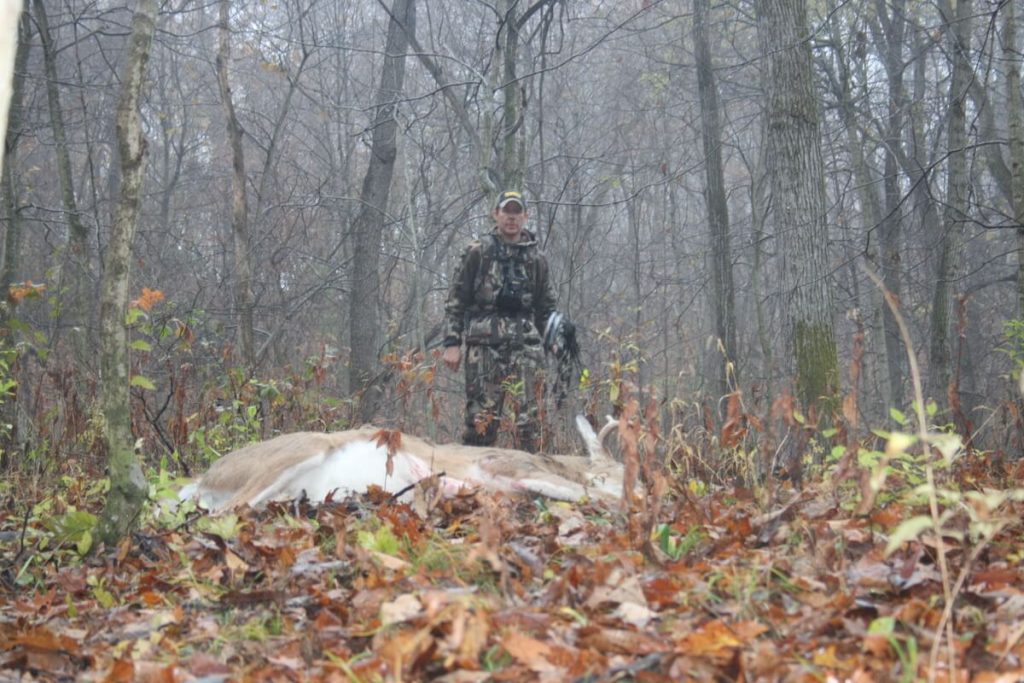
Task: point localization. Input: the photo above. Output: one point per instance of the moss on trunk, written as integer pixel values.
(817, 363)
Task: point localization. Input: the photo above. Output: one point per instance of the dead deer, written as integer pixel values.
(317, 464)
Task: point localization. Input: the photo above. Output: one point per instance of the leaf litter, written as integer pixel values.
(494, 588)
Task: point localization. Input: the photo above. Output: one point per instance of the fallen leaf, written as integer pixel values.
(711, 639)
(402, 608)
(530, 651)
(621, 641)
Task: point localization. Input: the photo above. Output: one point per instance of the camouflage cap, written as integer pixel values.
(509, 196)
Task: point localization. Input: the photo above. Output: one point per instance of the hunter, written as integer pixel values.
(498, 305)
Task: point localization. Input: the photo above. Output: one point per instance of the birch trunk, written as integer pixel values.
(127, 482)
(11, 120)
(13, 56)
(10, 10)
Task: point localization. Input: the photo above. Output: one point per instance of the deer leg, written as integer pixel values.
(555, 488)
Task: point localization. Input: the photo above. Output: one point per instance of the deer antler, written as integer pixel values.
(611, 424)
(594, 442)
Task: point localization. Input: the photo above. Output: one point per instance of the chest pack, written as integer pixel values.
(512, 283)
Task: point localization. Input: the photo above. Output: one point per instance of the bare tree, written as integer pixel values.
(723, 298)
(8, 158)
(10, 13)
(76, 271)
(796, 174)
(950, 233)
(1015, 114)
(891, 30)
(239, 203)
(511, 171)
(369, 224)
(127, 482)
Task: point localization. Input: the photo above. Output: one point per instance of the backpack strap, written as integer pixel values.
(486, 259)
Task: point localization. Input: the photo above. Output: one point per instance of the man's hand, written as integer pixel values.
(452, 357)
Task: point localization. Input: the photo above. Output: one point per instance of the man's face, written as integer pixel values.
(510, 219)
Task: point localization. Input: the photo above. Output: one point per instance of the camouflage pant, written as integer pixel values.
(503, 379)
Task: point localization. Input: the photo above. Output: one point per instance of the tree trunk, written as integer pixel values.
(759, 207)
(921, 160)
(239, 206)
(512, 165)
(842, 72)
(127, 482)
(14, 52)
(723, 303)
(74, 276)
(78, 232)
(950, 233)
(890, 228)
(11, 127)
(10, 10)
(795, 170)
(369, 223)
(1016, 125)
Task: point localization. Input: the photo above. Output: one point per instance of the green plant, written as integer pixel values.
(98, 586)
(495, 659)
(675, 545)
(383, 540)
(138, 320)
(233, 428)
(437, 555)
(346, 664)
(905, 646)
(8, 355)
(226, 526)
(168, 511)
(1013, 331)
(259, 628)
(74, 527)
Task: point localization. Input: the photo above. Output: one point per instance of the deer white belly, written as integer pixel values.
(345, 470)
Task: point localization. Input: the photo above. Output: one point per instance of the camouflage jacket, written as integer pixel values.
(478, 309)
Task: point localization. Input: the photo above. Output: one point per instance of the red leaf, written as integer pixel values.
(391, 439)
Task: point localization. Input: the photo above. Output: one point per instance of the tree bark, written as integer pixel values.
(14, 48)
(842, 75)
(796, 174)
(723, 303)
(1016, 124)
(78, 232)
(74, 277)
(10, 11)
(369, 223)
(512, 163)
(239, 206)
(11, 119)
(890, 228)
(919, 163)
(127, 482)
(759, 208)
(949, 237)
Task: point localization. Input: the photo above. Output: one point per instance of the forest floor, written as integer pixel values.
(707, 585)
